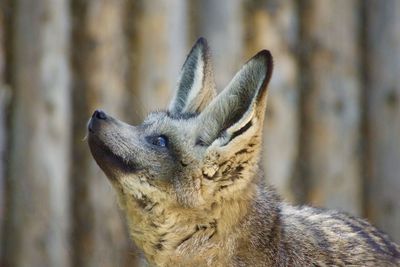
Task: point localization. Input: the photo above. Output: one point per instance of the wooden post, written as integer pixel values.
(3, 130)
(330, 76)
(158, 47)
(274, 27)
(221, 23)
(37, 192)
(383, 114)
(99, 236)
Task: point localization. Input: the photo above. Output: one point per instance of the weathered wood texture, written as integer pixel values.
(281, 124)
(37, 204)
(158, 43)
(99, 236)
(383, 113)
(329, 70)
(3, 130)
(221, 22)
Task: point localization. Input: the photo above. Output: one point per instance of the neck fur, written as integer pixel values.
(171, 235)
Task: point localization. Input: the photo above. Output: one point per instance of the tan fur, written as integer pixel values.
(198, 198)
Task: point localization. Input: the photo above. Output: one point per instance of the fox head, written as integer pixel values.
(193, 158)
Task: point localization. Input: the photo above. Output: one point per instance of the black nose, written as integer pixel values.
(99, 114)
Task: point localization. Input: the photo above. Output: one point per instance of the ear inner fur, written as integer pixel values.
(243, 99)
(196, 86)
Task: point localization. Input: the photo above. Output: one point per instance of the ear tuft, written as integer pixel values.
(196, 86)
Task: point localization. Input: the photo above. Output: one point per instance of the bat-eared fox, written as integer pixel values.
(190, 184)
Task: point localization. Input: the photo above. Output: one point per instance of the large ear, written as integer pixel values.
(239, 109)
(196, 86)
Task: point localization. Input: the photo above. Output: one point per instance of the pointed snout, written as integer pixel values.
(112, 144)
(99, 114)
(98, 118)
(101, 122)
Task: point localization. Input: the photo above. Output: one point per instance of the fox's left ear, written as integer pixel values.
(196, 86)
(238, 111)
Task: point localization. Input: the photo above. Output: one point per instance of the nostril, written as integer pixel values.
(99, 114)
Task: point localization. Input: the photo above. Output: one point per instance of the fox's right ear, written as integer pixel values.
(196, 85)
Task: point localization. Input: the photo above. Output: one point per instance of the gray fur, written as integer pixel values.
(202, 201)
(235, 106)
(196, 86)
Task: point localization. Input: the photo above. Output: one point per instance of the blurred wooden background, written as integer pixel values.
(332, 134)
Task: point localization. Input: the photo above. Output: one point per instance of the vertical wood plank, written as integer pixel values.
(158, 43)
(329, 70)
(3, 130)
(221, 23)
(273, 25)
(383, 114)
(37, 199)
(99, 236)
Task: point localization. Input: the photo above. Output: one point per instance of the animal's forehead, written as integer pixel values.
(166, 119)
(162, 114)
(155, 116)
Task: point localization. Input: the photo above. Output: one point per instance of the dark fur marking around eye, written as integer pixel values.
(241, 130)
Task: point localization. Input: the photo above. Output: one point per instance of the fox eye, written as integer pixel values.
(160, 140)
